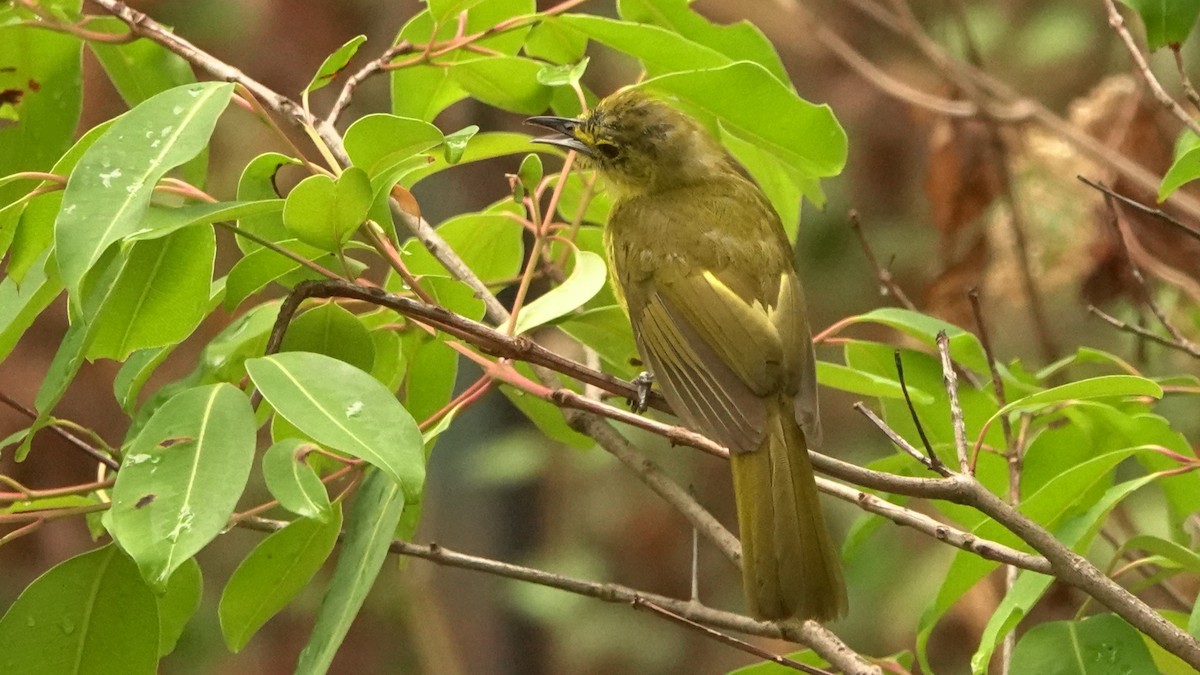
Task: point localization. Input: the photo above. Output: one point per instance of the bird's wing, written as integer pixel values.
(725, 353)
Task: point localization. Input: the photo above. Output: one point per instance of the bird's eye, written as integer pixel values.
(609, 150)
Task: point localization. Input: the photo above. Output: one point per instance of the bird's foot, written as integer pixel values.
(641, 400)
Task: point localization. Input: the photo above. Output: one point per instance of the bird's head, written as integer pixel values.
(640, 144)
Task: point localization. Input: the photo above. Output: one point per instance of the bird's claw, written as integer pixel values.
(641, 400)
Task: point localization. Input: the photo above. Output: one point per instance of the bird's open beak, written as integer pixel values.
(566, 128)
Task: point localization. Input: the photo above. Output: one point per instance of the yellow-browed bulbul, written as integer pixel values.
(706, 273)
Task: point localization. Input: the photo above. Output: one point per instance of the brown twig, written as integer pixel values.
(950, 380)
(997, 382)
(67, 436)
(1188, 348)
(754, 650)
(1118, 25)
(807, 633)
(1189, 91)
(1147, 297)
(887, 284)
(934, 462)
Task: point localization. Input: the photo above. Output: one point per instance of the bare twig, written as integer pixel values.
(1188, 348)
(897, 439)
(935, 462)
(997, 381)
(807, 633)
(1147, 297)
(67, 436)
(754, 650)
(887, 284)
(1186, 82)
(1118, 25)
(950, 379)
(1157, 213)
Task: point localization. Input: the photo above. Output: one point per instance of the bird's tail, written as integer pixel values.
(790, 567)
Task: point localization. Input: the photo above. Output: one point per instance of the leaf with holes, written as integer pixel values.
(181, 478)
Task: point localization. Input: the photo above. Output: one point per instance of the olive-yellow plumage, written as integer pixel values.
(703, 267)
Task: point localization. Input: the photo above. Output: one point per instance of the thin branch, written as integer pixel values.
(898, 440)
(809, 633)
(1149, 210)
(1147, 298)
(997, 382)
(950, 380)
(753, 650)
(1189, 91)
(887, 284)
(67, 436)
(935, 462)
(375, 66)
(1118, 25)
(1077, 571)
(487, 339)
(1188, 348)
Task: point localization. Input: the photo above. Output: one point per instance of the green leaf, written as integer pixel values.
(262, 266)
(138, 69)
(432, 371)
(606, 330)
(1078, 533)
(422, 92)
(109, 191)
(344, 408)
(660, 50)
(324, 212)
(1186, 166)
(1098, 644)
(46, 117)
(566, 75)
(273, 574)
(334, 63)
(21, 303)
(1096, 387)
(806, 137)
(865, 383)
(292, 481)
(1167, 22)
(546, 416)
(448, 10)
(1193, 624)
(489, 243)
(378, 142)
(456, 143)
(90, 614)
(177, 605)
(483, 146)
(1182, 556)
(780, 186)
(965, 348)
(484, 14)
(507, 82)
(1073, 492)
(331, 330)
(159, 297)
(181, 478)
(553, 41)
(741, 41)
(161, 221)
(530, 172)
(257, 183)
(378, 506)
(584, 281)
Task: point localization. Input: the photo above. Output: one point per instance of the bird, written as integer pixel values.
(702, 266)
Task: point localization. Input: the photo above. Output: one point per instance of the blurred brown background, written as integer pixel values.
(927, 189)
